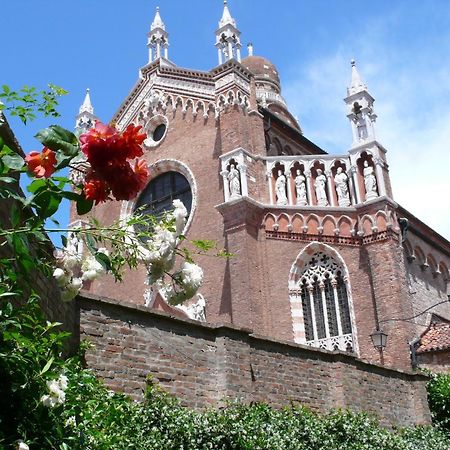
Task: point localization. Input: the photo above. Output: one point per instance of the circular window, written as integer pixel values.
(159, 194)
(156, 129)
(158, 134)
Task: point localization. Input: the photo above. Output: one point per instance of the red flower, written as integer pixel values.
(41, 164)
(123, 181)
(103, 144)
(99, 144)
(96, 189)
(142, 173)
(132, 141)
(108, 152)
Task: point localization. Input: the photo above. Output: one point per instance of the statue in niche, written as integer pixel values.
(280, 189)
(319, 184)
(195, 311)
(300, 188)
(370, 181)
(362, 130)
(341, 181)
(235, 184)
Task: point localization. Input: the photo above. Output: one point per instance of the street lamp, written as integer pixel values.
(379, 339)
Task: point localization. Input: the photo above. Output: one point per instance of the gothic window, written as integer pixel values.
(325, 306)
(159, 194)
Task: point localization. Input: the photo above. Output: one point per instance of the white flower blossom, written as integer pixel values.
(61, 276)
(71, 421)
(63, 382)
(191, 275)
(179, 213)
(91, 269)
(72, 289)
(20, 445)
(56, 389)
(48, 401)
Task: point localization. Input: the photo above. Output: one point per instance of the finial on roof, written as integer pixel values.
(87, 105)
(250, 49)
(226, 16)
(157, 21)
(158, 39)
(356, 84)
(360, 111)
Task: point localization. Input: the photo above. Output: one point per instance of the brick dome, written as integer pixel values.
(262, 68)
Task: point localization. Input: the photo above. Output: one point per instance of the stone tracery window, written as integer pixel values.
(324, 300)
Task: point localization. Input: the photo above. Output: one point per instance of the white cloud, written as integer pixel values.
(410, 85)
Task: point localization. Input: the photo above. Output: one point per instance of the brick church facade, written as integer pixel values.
(322, 253)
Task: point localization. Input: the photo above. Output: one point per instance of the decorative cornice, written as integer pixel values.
(351, 241)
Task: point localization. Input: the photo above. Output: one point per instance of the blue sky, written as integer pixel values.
(401, 48)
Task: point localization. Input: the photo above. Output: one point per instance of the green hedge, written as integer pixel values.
(439, 399)
(92, 417)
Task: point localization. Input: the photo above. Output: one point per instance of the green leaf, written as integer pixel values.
(16, 215)
(58, 138)
(84, 206)
(36, 185)
(204, 245)
(8, 180)
(71, 196)
(64, 240)
(47, 203)
(103, 260)
(47, 366)
(14, 162)
(62, 160)
(91, 244)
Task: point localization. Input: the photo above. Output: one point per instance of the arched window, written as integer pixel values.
(159, 194)
(320, 304)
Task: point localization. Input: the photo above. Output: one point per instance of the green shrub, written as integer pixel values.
(93, 418)
(439, 399)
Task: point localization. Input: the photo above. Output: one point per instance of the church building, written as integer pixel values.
(322, 254)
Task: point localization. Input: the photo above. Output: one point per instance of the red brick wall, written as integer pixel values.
(438, 361)
(205, 365)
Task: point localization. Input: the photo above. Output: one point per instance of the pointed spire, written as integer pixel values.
(157, 21)
(158, 39)
(360, 110)
(87, 105)
(356, 84)
(227, 37)
(226, 16)
(85, 118)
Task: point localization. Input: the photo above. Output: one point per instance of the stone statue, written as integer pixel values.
(197, 310)
(235, 184)
(280, 189)
(300, 189)
(370, 182)
(341, 181)
(319, 184)
(362, 129)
